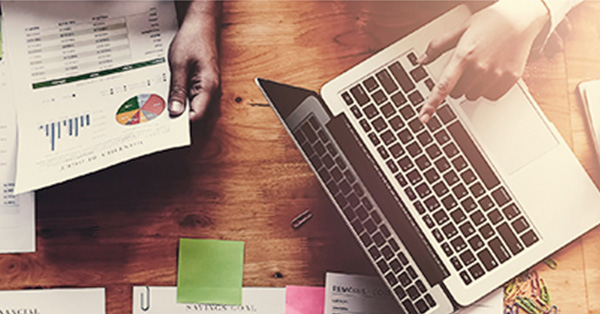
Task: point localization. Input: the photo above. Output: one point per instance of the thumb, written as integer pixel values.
(177, 90)
(442, 44)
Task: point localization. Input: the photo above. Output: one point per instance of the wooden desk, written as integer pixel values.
(243, 179)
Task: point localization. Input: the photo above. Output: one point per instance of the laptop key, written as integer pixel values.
(449, 201)
(375, 217)
(396, 150)
(386, 80)
(447, 249)
(387, 252)
(477, 217)
(486, 203)
(434, 124)
(374, 252)
(410, 308)
(378, 239)
(366, 239)
(442, 137)
(391, 279)
(450, 178)
(400, 75)
(412, 58)
(449, 230)
(424, 138)
(399, 291)
(347, 99)
(383, 152)
(476, 271)
(421, 306)
(398, 99)
(392, 166)
(362, 213)
(357, 226)
(466, 229)
(465, 277)
(384, 230)
(374, 139)
(495, 217)
(499, 250)
(429, 83)
(468, 204)
(456, 263)
(432, 204)
(396, 123)
(431, 175)
(441, 164)
(458, 244)
(520, 225)
(423, 162)
(511, 211)
(371, 111)
(415, 125)
(440, 189)
(383, 266)
(450, 150)
(379, 97)
(529, 238)
(440, 217)
(359, 94)
(501, 196)
(413, 293)
(405, 164)
(410, 193)
(411, 272)
(459, 191)
(433, 152)
(366, 203)
(404, 279)
(388, 110)
(459, 163)
(418, 74)
(379, 124)
(438, 235)
(400, 178)
(487, 259)
(407, 112)
(458, 216)
(356, 112)
(370, 226)
(467, 258)
(402, 258)
(370, 84)
(420, 286)
(475, 242)
(388, 137)
(394, 245)
(414, 177)
(353, 200)
(428, 221)
(473, 154)
(509, 238)
(486, 231)
(415, 98)
(430, 300)
(395, 265)
(345, 187)
(405, 136)
(365, 125)
(468, 177)
(414, 149)
(445, 113)
(423, 190)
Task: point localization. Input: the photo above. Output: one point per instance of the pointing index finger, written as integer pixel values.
(443, 87)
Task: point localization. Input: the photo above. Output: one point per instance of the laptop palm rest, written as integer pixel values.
(391, 205)
(524, 137)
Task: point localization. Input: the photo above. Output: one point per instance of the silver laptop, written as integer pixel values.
(447, 211)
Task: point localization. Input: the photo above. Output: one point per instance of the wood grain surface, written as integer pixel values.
(243, 178)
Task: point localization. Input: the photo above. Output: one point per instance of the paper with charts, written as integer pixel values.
(163, 300)
(92, 85)
(17, 218)
(53, 301)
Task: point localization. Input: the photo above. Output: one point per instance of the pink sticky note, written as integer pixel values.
(304, 300)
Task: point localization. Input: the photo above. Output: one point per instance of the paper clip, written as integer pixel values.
(551, 263)
(525, 305)
(552, 310)
(544, 294)
(514, 309)
(301, 219)
(147, 306)
(535, 284)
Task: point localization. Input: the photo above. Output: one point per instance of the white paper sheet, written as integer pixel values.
(590, 95)
(92, 83)
(163, 300)
(53, 301)
(356, 294)
(17, 217)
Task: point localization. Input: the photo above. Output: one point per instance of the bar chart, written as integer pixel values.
(69, 127)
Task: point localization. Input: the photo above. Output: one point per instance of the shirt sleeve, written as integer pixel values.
(557, 9)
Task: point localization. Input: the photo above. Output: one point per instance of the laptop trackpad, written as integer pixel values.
(510, 130)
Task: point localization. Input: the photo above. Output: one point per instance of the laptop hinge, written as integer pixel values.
(390, 204)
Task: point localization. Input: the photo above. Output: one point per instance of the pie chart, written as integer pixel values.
(139, 109)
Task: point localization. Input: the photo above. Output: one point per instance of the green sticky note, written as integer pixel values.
(210, 271)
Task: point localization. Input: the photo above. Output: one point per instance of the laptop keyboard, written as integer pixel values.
(384, 249)
(457, 194)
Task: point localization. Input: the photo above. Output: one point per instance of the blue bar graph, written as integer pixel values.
(53, 129)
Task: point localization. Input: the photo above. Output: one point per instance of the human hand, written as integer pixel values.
(194, 64)
(492, 48)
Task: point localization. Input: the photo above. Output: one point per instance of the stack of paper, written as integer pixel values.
(589, 93)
